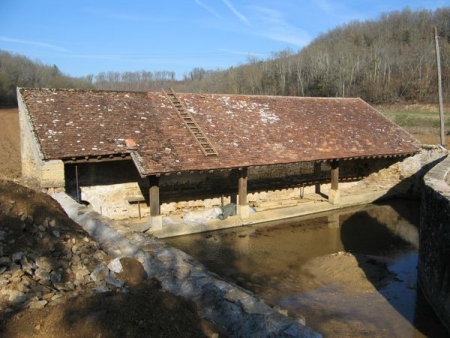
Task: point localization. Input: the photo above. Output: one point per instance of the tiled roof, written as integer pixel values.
(245, 130)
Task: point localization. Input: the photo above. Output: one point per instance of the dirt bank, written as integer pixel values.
(9, 144)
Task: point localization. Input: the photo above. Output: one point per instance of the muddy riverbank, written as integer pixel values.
(350, 274)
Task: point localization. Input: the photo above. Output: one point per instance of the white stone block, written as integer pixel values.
(334, 196)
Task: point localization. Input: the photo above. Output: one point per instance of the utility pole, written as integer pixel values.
(441, 102)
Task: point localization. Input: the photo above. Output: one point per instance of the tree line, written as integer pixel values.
(20, 71)
(386, 60)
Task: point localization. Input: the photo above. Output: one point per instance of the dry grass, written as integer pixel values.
(420, 120)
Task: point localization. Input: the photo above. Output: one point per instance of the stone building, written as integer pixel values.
(136, 153)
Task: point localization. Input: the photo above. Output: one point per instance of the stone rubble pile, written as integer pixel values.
(59, 263)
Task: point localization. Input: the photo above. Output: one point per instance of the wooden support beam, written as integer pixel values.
(334, 192)
(243, 209)
(335, 175)
(317, 171)
(96, 159)
(243, 186)
(154, 196)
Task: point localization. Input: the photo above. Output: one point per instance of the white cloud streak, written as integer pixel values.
(342, 12)
(239, 15)
(34, 43)
(249, 54)
(208, 8)
(272, 25)
(325, 6)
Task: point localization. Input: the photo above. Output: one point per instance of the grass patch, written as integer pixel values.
(417, 120)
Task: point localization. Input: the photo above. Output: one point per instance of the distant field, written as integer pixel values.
(422, 121)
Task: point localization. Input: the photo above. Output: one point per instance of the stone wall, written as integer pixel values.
(434, 240)
(48, 174)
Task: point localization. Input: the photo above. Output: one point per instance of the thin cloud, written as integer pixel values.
(208, 8)
(340, 11)
(235, 52)
(236, 12)
(129, 17)
(272, 25)
(298, 38)
(325, 6)
(125, 17)
(122, 16)
(34, 43)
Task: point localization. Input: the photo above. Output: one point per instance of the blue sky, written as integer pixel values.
(88, 37)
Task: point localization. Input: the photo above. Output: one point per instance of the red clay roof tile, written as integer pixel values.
(245, 130)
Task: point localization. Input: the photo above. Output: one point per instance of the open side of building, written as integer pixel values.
(132, 154)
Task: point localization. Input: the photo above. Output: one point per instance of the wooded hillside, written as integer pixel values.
(387, 60)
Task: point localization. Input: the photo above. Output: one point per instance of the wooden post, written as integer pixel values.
(334, 195)
(243, 209)
(77, 183)
(154, 195)
(155, 219)
(441, 101)
(335, 175)
(243, 186)
(317, 170)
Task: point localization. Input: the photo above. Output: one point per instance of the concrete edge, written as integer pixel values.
(262, 217)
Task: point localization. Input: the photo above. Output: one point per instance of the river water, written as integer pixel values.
(350, 273)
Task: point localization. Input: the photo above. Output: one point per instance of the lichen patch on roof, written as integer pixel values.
(245, 130)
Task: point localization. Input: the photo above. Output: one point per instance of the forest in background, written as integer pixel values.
(387, 60)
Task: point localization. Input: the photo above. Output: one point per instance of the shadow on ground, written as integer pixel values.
(372, 234)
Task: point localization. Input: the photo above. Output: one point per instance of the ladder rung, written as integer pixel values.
(189, 121)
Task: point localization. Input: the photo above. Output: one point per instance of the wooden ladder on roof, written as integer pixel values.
(205, 144)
